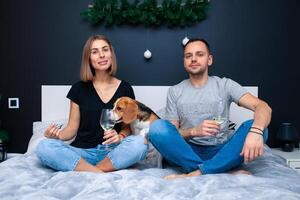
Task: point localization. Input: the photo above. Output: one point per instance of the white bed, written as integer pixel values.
(23, 177)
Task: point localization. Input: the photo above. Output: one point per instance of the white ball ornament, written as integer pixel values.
(147, 54)
(185, 40)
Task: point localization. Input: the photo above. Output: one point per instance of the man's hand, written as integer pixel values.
(206, 128)
(253, 147)
(111, 136)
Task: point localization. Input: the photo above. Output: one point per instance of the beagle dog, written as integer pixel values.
(132, 112)
(140, 117)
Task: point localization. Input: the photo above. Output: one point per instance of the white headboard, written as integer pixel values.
(55, 105)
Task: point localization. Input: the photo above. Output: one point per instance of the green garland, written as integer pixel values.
(148, 12)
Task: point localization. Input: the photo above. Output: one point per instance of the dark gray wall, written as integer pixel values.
(255, 42)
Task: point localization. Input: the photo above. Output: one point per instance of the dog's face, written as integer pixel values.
(126, 109)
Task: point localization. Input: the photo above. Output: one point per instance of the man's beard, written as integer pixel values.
(198, 72)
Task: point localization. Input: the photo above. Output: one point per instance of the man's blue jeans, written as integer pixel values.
(209, 159)
(63, 157)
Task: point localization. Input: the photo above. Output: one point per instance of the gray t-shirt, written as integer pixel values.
(191, 105)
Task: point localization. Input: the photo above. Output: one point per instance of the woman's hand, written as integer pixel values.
(111, 136)
(253, 147)
(206, 128)
(52, 131)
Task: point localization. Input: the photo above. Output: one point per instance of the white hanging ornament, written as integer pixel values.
(147, 54)
(185, 40)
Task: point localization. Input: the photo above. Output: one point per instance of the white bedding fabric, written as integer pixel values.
(23, 177)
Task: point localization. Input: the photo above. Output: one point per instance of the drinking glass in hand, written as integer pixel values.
(219, 119)
(107, 121)
(218, 116)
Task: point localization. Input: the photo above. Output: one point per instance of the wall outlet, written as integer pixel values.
(13, 103)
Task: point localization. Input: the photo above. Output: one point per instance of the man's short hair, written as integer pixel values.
(198, 40)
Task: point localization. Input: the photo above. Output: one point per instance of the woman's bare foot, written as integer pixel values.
(105, 165)
(97, 171)
(85, 166)
(240, 171)
(176, 176)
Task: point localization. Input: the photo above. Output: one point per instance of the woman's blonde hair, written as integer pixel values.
(87, 71)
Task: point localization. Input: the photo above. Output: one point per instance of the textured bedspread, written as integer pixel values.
(24, 177)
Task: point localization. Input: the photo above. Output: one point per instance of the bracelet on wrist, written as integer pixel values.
(256, 132)
(253, 127)
(122, 135)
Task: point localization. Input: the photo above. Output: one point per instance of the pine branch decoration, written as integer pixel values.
(172, 13)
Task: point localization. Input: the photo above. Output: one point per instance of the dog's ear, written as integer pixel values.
(130, 111)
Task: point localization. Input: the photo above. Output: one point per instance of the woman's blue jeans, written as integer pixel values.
(209, 159)
(63, 157)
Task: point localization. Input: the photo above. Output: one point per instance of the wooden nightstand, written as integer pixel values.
(292, 158)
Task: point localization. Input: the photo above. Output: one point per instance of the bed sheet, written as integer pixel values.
(23, 177)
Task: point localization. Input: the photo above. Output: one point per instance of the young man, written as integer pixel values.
(194, 140)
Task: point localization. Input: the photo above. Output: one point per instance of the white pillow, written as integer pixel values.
(161, 113)
(38, 129)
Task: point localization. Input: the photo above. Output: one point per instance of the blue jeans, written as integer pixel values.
(209, 159)
(63, 157)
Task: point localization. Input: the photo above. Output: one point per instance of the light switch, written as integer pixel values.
(13, 103)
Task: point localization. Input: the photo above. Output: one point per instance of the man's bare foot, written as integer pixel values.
(176, 176)
(240, 171)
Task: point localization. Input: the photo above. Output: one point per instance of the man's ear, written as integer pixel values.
(210, 60)
(130, 112)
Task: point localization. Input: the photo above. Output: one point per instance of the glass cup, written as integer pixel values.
(218, 116)
(107, 121)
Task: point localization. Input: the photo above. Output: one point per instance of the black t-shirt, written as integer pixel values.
(90, 133)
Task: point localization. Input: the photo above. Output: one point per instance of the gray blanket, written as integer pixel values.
(23, 177)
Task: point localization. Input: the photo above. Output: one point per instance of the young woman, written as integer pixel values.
(97, 90)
